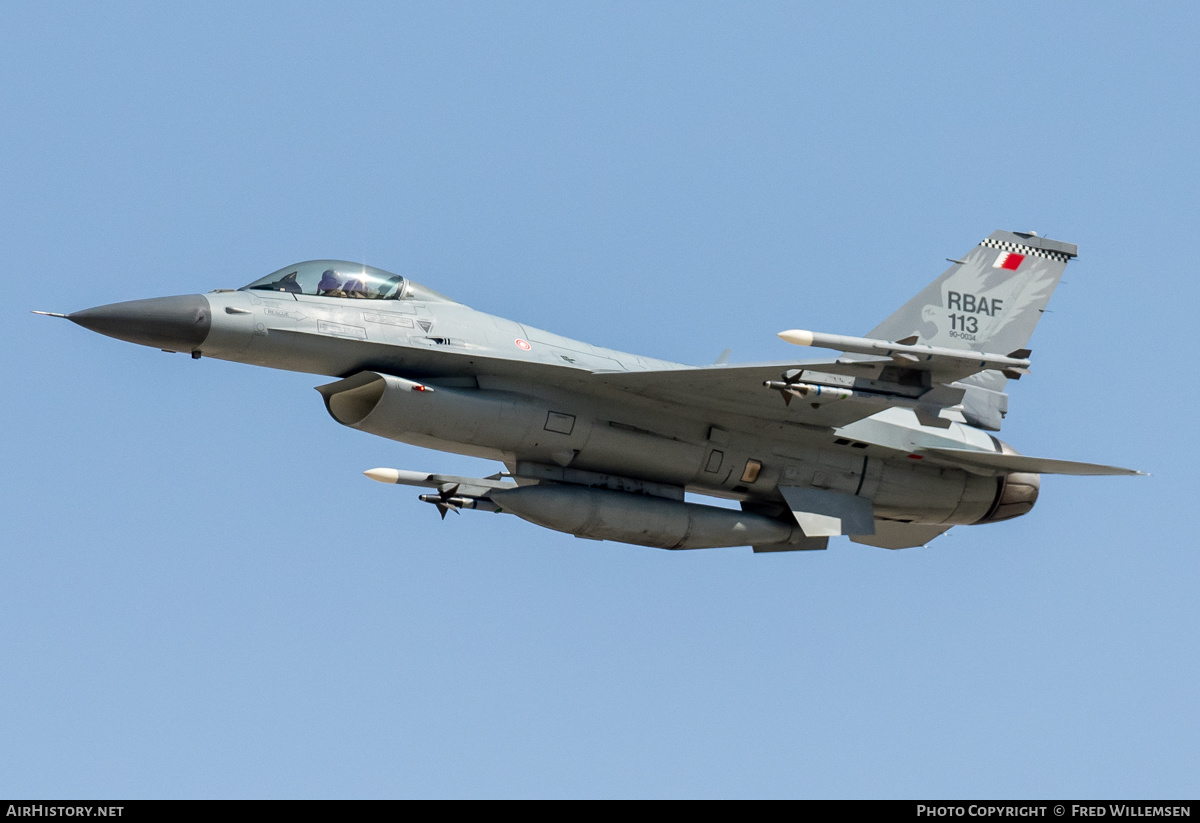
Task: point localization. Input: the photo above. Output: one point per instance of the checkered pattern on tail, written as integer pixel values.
(1030, 251)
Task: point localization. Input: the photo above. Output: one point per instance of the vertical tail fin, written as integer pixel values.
(990, 300)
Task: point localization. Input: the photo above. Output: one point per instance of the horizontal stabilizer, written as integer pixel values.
(993, 463)
(892, 535)
(822, 513)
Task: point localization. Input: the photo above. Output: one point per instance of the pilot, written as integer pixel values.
(330, 285)
(355, 287)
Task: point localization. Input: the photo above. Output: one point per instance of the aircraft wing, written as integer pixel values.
(738, 389)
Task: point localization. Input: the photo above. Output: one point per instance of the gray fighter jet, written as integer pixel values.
(887, 442)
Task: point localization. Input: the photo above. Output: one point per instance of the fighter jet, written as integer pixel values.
(887, 441)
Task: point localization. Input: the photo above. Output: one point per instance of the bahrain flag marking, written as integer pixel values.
(1008, 260)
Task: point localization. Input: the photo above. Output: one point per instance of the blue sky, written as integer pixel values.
(203, 597)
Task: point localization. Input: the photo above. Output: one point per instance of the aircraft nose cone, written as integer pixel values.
(175, 323)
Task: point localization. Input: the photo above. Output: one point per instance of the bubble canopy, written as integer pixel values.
(340, 278)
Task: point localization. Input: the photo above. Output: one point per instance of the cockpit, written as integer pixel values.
(338, 278)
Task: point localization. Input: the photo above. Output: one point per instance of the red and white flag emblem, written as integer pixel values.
(1008, 260)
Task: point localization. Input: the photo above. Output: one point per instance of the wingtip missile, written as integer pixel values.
(407, 478)
(383, 475)
(799, 337)
(906, 351)
(404, 477)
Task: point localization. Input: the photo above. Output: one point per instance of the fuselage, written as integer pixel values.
(502, 390)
